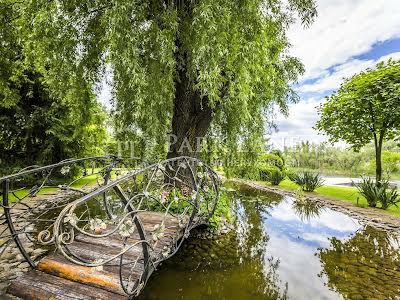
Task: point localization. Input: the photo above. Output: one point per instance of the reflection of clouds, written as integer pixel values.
(335, 221)
(299, 267)
(294, 242)
(242, 224)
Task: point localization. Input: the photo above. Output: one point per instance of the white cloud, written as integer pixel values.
(333, 80)
(344, 29)
(299, 125)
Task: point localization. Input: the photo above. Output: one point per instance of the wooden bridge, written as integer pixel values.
(104, 238)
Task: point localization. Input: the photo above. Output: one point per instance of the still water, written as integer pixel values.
(282, 248)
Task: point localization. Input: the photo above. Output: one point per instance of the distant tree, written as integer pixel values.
(177, 66)
(365, 108)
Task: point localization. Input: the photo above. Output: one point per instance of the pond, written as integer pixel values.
(282, 249)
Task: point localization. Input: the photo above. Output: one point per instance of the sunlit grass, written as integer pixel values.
(344, 193)
(89, 180)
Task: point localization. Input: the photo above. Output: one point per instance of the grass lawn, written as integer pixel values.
(86, 181)
(338, 192)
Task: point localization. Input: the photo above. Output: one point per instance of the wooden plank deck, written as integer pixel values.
(58, 278)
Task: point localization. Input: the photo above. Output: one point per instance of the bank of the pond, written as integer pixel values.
(375, 217)
(344, 193)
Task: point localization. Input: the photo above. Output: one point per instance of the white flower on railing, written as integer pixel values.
(162, 198)
(186, 235)
(194, 195)
(65, 170)
(158, 232)
(146, 194)
(71, 219)
(181, 223)
(97, 225)
(126, 229)
(165, 252)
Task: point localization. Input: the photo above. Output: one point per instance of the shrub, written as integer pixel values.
(369, 189)
(265, 172)
(275, 177)
(379, 192)
(389, 197)
(308, 181)
(223, 211)
(272, 160)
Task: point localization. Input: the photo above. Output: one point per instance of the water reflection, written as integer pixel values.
(367, 266)
(307, 209)
(282, 249)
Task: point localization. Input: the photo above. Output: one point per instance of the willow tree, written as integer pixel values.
(38, 125)
(177, 67)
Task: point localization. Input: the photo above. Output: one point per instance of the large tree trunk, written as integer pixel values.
(191, 119)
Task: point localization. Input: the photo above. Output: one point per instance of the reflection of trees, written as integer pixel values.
(366, 266)
(254, 239)
(307, 209)
(235, 266)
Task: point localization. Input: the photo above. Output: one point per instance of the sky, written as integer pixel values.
(348, 36)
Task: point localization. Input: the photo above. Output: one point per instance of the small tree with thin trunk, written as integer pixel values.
(366, 108)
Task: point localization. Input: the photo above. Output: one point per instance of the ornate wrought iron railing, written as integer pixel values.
(143, 215)
(32, 197)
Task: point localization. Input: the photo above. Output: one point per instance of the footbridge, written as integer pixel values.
(98, 227)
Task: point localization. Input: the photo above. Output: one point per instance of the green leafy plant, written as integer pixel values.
(369, 189)
(378, 192)
(265, 171)
(275, 177)
(389, 197)
(223, 211)
(308, 181)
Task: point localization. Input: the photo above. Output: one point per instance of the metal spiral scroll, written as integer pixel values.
(182, 192)
(33, 197)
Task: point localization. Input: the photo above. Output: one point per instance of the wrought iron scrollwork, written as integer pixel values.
(32, 198)
(144, 214)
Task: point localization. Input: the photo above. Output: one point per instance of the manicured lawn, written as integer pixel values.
(338, 192)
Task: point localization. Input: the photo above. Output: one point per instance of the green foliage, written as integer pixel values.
(378, 192)
(339, 161)
(389, 197)
(265, 171)
(272, 160)
(308, 181)
(223, 211)
(37, 123)
(233, 53)
(365, 104)
(276, 177)
(365, 109)
(370, 190)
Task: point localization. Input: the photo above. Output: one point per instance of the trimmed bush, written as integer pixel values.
(275, 177)
(272, 160)
(265, 171)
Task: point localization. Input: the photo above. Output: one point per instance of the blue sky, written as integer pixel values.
(347, 37)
